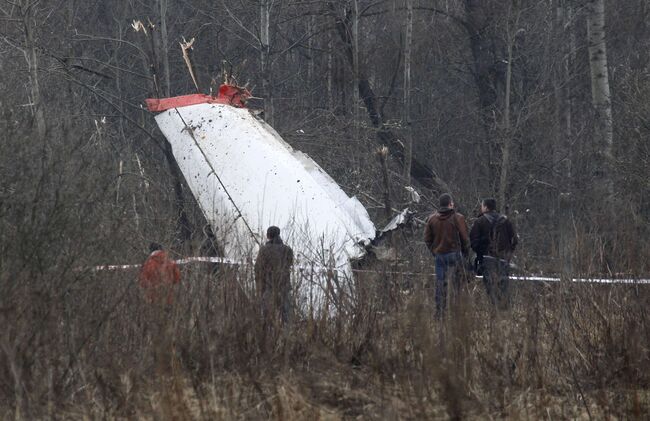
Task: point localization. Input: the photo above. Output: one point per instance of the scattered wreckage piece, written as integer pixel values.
(381, 248)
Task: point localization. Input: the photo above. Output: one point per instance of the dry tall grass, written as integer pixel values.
(98, 351)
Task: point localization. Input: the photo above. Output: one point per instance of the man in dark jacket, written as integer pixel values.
(494, 240)
(273, 276)
(445, 235)
(211, 248)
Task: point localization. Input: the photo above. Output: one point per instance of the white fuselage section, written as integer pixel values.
(268, 182)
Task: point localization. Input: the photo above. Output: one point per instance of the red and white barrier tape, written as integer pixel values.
(178, 262)
(222, 260)
(581, 280)
(234, 262)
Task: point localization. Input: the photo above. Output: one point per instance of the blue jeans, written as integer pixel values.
(445, 268)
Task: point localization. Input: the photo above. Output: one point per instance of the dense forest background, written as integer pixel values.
(543, 104)
(479, 98)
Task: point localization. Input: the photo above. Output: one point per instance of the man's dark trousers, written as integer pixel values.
(495, 279)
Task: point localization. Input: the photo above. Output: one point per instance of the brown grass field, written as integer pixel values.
(95, 350)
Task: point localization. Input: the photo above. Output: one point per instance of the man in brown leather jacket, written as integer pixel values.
(445, 235)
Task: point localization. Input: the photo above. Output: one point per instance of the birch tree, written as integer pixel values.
(408, 41)
(265, 58)
(600, 92)
(164, 38)
(507, 130)
(25, 10)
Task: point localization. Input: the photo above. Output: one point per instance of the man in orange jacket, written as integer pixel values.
(158, 276)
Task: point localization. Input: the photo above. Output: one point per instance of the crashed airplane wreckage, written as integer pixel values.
(245, 178)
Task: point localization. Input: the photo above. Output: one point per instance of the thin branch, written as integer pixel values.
(121, 41)
(121, 69)
(240, 24)
(99, 94)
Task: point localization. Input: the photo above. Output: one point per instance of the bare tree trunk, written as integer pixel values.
(507, 129)
(600, 93)
(489, 77)
(420, 171)
(330, 74)
(407, 92)
(557, 80)
(382, 154)
(67, 120)
(562, 92)
(183, 224)
(25, 9)
(310, 63)
(568, 72)
(118, 82)
(265, 52)
(165, 46)
(566, 229)
(355, 71)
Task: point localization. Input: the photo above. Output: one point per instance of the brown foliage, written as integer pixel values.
(99, 350)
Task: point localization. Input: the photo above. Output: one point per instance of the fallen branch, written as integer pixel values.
(186, 47)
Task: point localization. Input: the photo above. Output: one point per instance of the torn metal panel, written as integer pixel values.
(381, 248)
(401, 220)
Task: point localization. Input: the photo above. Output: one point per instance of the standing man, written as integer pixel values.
(494, 240)
(273, 276)
(211, 248)
(159, 276)
(445, 234)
